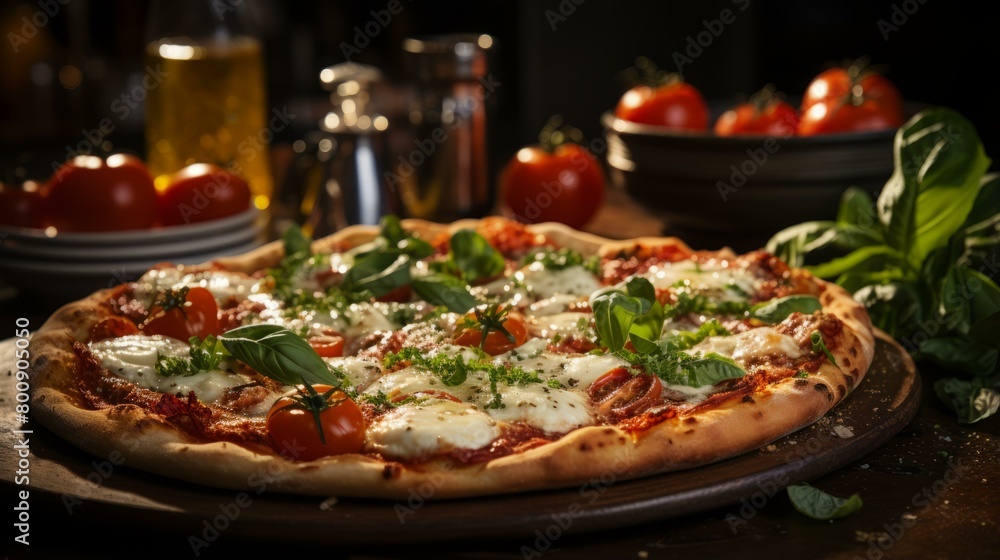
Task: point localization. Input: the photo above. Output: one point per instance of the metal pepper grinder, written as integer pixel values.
(441, 173)
(337, 177)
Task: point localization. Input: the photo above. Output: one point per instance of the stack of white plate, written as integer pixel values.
(71, 264)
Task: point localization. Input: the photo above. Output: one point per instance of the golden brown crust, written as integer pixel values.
(701, 436)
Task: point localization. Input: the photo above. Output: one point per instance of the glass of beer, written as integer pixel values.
(210, 106)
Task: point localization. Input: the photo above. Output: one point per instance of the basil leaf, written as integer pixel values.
(777, 310)
(857, 209)
(897, 308)
(475, 258)
(971, 400)
(987, 203)
(865, 259)
(967, 297)
(815, 242)
(296, 243)
(614, 313)
(205, 355)
(961, 354)
(392, 229)
(640, 287)
(939, 163)
(379, 273)
(711, 369)
(442, 289)
(813, 502)
(278, 353)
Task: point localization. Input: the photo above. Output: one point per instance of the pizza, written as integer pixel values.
(481, 357)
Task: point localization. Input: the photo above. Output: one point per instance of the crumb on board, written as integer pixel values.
(843, 431)
(328, 503)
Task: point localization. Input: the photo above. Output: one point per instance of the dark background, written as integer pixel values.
(551, 57)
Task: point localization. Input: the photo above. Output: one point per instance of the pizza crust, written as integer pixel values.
(698, 437)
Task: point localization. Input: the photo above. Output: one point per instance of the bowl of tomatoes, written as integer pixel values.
(736, 176)
(99, 221)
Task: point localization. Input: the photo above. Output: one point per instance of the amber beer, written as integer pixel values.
(210, 108)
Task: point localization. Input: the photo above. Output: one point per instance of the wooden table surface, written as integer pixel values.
(930, 492)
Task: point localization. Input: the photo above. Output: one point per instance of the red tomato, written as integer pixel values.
(763, 114)
(676, 105)
(21, 207)
(496, 342)
(619, 393)
(202, 192)
(563, 185)
(183, 314)
(850, 100)
(838, 83)
(827, 117)
(328, 346)
(91, 194)
(293, 430)
(401, 294)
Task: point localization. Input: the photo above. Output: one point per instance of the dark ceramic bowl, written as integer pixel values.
(738, 191)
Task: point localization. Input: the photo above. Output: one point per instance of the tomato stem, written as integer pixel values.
(316, 403)
(492, 319)
(556, 133)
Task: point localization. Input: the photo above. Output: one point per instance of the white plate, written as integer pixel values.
(161, 235)
(69, 281)
(58, 253)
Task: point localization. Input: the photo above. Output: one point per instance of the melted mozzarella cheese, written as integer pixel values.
(540, 406)
(223, 285)
(360, 372)
(730, 282)
(551, 305)
(429, 427)
(562, 324)
(572, 280)
(134, 358)
(748, 345)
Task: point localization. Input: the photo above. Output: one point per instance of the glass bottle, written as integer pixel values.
(210, 106)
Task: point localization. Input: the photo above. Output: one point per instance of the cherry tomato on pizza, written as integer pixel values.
(766, 113)
(183, 313)
(88, 193)
(492, 329)
(328, 345)
(851, 99)
(621, 392)
(556, 181)
(201, 192)
(315, 421)
(21, 206)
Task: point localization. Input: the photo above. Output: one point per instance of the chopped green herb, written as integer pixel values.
(820, 346)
